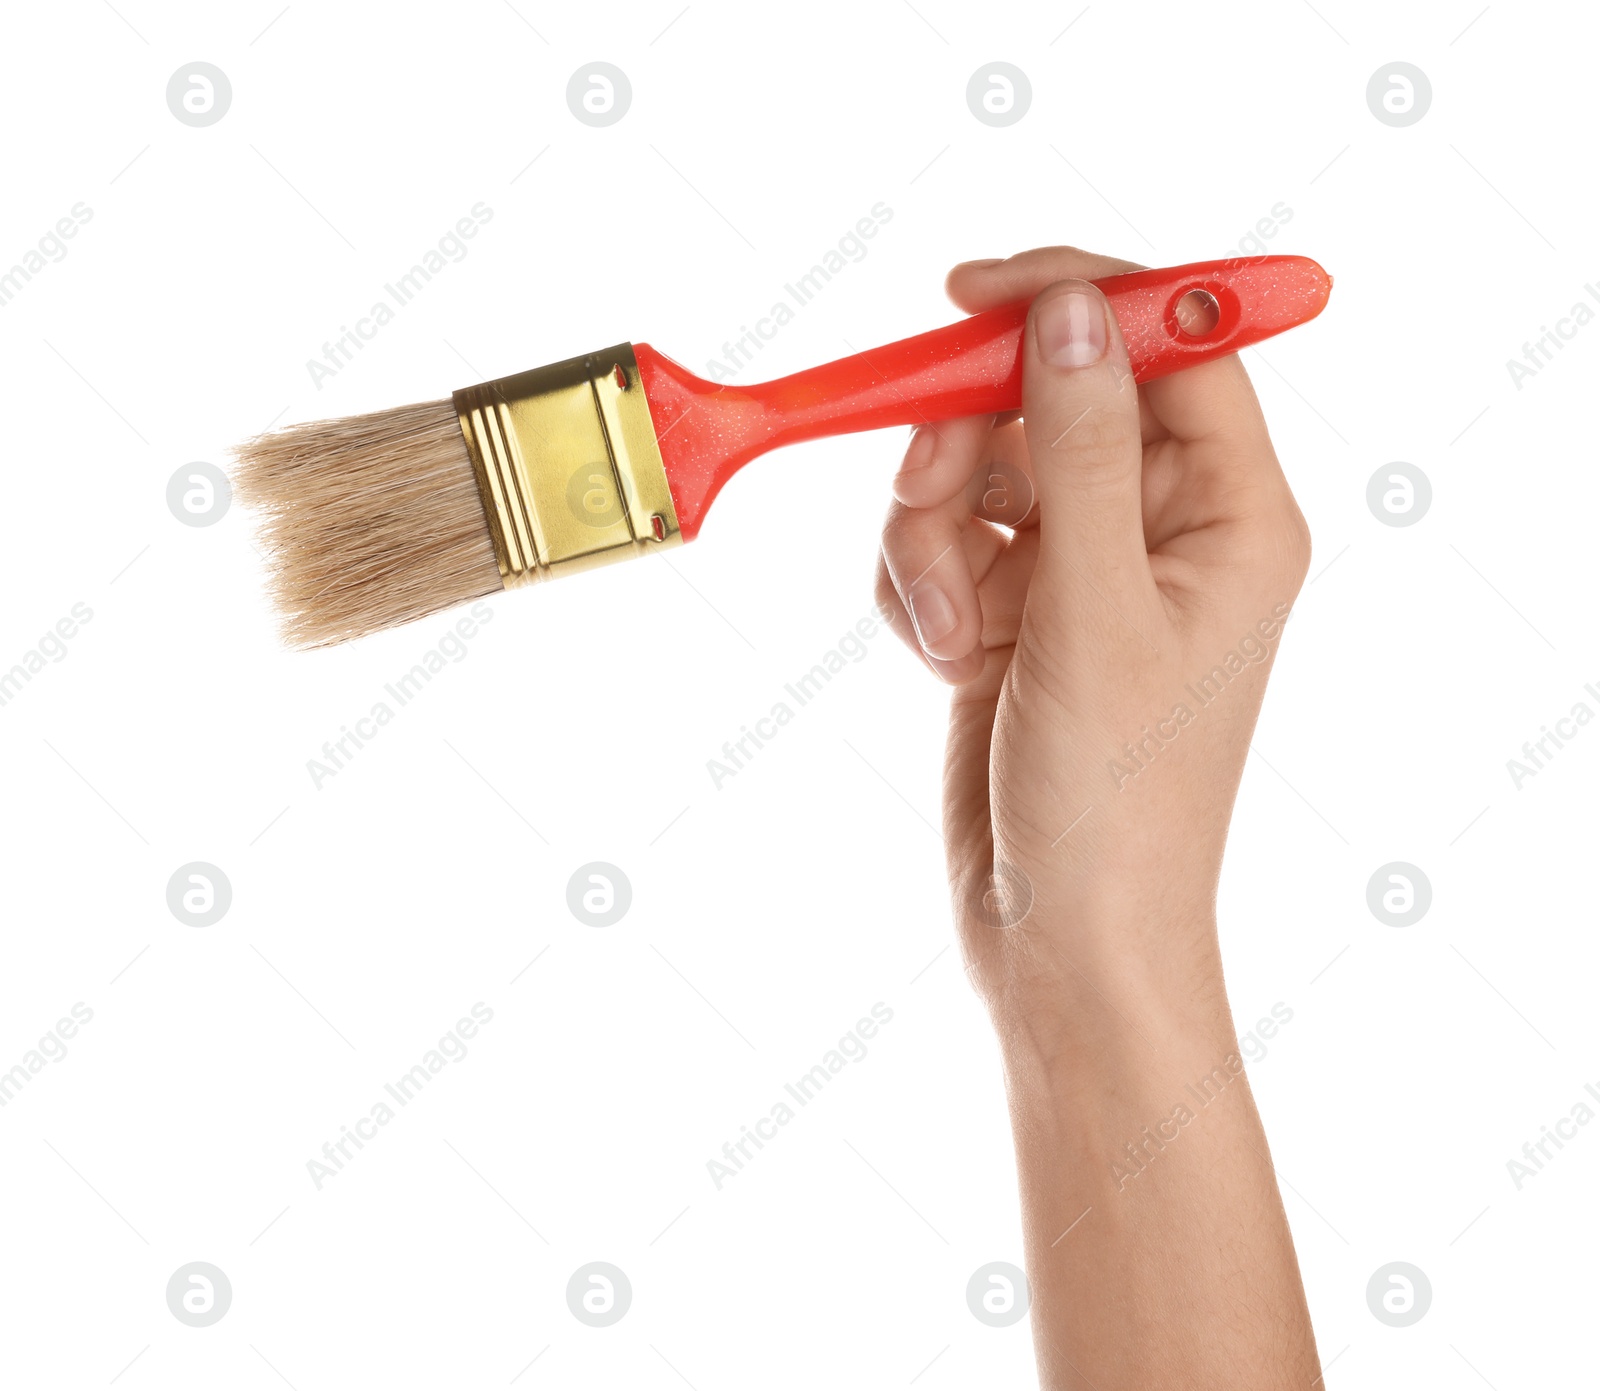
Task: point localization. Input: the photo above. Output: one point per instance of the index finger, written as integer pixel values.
(978, 285)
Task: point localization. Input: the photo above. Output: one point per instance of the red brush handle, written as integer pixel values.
(707, 431)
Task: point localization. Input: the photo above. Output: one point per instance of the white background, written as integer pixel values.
(769, 915)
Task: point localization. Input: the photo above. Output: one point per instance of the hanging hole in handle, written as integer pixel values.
(1197, 314)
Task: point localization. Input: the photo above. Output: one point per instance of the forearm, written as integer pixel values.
(1158, 1250)
(1110, 646)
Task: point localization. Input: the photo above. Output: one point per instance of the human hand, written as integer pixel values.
(1109, 655)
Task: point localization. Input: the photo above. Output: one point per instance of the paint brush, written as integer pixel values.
(379, 519)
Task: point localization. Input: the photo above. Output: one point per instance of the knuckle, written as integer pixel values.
(1095, 432)
(905, 528)
(884, 592)
(1293, 545)
(892, 609)
(915, 541)
(1272, 536)
(1279, 554)
(898, 526)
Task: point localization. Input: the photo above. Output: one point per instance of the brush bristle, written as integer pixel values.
(369, 521)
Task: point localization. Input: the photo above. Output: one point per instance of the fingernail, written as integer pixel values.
(919, 452)
(932, 613)
(984, 264)
(1071, 329)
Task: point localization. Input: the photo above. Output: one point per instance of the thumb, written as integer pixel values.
(1080, 411)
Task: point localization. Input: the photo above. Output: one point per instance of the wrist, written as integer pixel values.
(1061, 995)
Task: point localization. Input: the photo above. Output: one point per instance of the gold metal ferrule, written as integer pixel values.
(568, 466)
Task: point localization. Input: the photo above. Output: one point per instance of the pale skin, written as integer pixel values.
(1160, 537)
